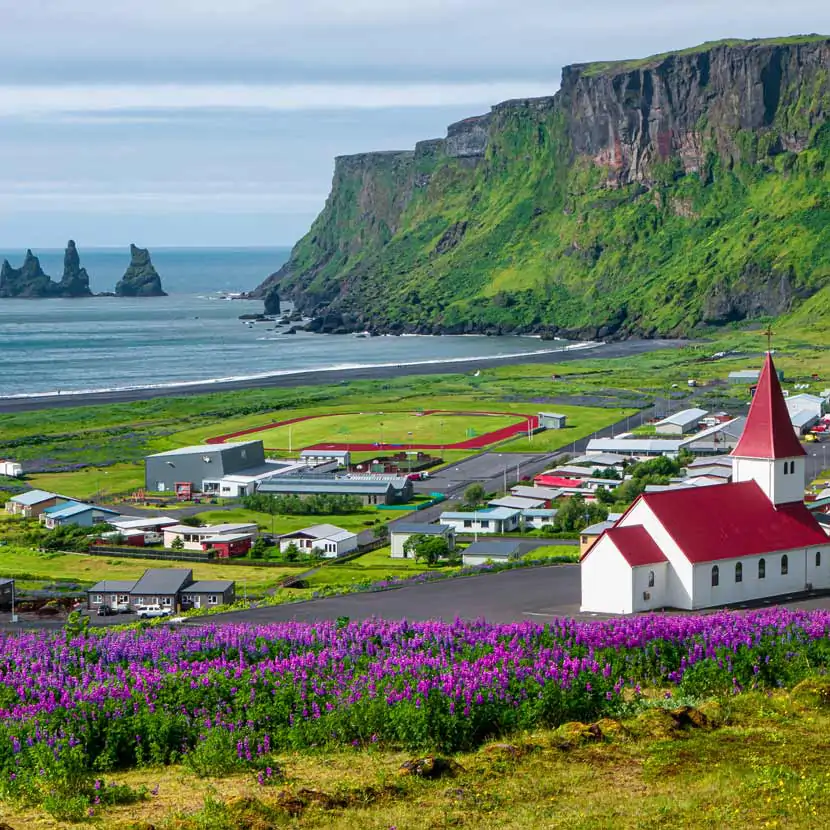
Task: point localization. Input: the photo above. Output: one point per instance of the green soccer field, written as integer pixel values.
(443, 428)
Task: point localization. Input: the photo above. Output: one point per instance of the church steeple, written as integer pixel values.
(769, 451)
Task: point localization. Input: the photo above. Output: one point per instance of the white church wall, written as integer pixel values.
(647, 597)
(677, 591)
(751, 586)
(606, 580)
(818, 570)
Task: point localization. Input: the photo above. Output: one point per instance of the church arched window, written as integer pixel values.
(651, 579)
(762, 569)
(785, 565)
(818, 558)
(739, 572)
(715, 576)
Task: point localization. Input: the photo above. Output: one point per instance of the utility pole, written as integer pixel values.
(14, 616)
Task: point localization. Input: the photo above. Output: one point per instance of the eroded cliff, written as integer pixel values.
(644, 197)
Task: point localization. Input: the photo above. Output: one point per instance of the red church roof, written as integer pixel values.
(728, 521)
(636, 546)
(769, 431)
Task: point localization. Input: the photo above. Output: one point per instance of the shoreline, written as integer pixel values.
(312, 377)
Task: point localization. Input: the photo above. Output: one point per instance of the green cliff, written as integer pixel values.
(645, 197)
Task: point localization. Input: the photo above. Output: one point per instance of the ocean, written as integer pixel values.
(191, 336)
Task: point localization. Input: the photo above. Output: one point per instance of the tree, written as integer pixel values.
(427, 549)
(575, 515)
(259, 548)
(381, 532)
(76, 624)
(474, 494)
(291, 553)
(177, 544)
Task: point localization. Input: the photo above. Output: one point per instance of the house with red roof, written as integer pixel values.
(704, 547)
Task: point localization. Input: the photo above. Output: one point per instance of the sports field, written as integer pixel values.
(373, 430)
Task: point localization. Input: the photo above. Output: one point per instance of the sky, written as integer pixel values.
(216, 122)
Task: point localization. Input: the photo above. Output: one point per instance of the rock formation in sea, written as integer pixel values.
(140, 279)
(272, 300)
(30, 280)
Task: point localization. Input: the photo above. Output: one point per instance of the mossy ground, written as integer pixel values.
(754, 760)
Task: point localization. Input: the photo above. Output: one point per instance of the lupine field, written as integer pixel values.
(225, 698)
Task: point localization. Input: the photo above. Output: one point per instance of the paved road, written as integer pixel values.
(326, 376)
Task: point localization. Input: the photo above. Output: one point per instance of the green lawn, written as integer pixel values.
(374, 566)
(551, 551)
(88, 482)
(388, 427)
(286, 524)
(21, 563)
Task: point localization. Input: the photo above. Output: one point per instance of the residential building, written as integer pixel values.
(76, 513)
(745, 376)
(171, 588)
(703, 547)
(803, 420)
(492, 550)
(371, 490)
(229, 544)
(33, 502)
(208, 593)
(681, 423)
(400, 532)
(552, 420)
(488, 520)
(152, 527)
(330, 540)
(590, 534)
(6, 594)
(722, 436)
(10, 468)
(547, 494)
(602, 460)
(518, 502)
(635, 447)
(811, 403)
(538, 518)
(195, 538)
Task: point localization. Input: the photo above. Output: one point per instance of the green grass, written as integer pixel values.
(87, 570)
(374, 566)
(388, 427)
(760, 762)
(91, 481)
(555, 552)
(356, 522)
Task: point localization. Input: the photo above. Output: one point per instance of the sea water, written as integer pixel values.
(192, 335)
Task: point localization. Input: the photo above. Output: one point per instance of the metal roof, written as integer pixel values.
(546, 493)
(684, 418)
(803, 417)
(227, 537)
(552, 415)
(518, 502)
(210, 586)
(482, 515)
(597, 529)
(322, 531)
(33, 497)
(492, 548)
(163, 581)
(426, 529)
(324, 453)
(289, 484)
(633, 446)
(540, 513)
(602, 459)
(112, 586)
(203, 449)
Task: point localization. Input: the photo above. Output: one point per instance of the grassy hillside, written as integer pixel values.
(709, 222)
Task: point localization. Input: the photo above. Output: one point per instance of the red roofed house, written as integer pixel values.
(710, 546)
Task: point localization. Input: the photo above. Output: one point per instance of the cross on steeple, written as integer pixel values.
(768, 333)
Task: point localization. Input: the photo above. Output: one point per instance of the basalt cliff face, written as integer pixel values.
(644, 197)
(30, 281)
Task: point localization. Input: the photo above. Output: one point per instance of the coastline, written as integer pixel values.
(295, 378)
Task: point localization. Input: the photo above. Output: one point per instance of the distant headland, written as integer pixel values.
(30, 281)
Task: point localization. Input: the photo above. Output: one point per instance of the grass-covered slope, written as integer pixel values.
(647, 197)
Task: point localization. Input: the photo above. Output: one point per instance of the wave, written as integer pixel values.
(340, 367)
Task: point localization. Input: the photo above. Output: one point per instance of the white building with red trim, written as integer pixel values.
(727, 543)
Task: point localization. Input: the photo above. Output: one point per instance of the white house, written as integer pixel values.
(728, 543)
(400, 532)
(537, 518)
(194, 537)
(518, 502)
(333, 541)
(488, 520)
(806, 402)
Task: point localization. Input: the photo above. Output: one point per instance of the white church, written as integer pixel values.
(728, 543)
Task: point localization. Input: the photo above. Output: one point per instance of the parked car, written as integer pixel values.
(146, 612)
(105, 611)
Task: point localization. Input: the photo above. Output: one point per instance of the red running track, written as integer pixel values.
(527, 422)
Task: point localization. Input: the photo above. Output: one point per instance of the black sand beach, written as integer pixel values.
(322, 376)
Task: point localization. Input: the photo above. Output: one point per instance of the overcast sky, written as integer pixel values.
(215, 122)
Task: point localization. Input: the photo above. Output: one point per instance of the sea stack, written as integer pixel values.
(272, 300)
(140, 279)
(27, 281)
(75, 280)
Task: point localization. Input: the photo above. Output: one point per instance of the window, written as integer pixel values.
(739, 572)
(485, 523)
(762, 569)
(160, 486)
(785, 565)
(165, 601)
(651, 579)
(818, 558)
(213, 600)
(715, 576)
(124, 598)
(97, 598)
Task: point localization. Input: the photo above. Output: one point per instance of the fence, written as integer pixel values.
(436, 498)
(144, 553)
